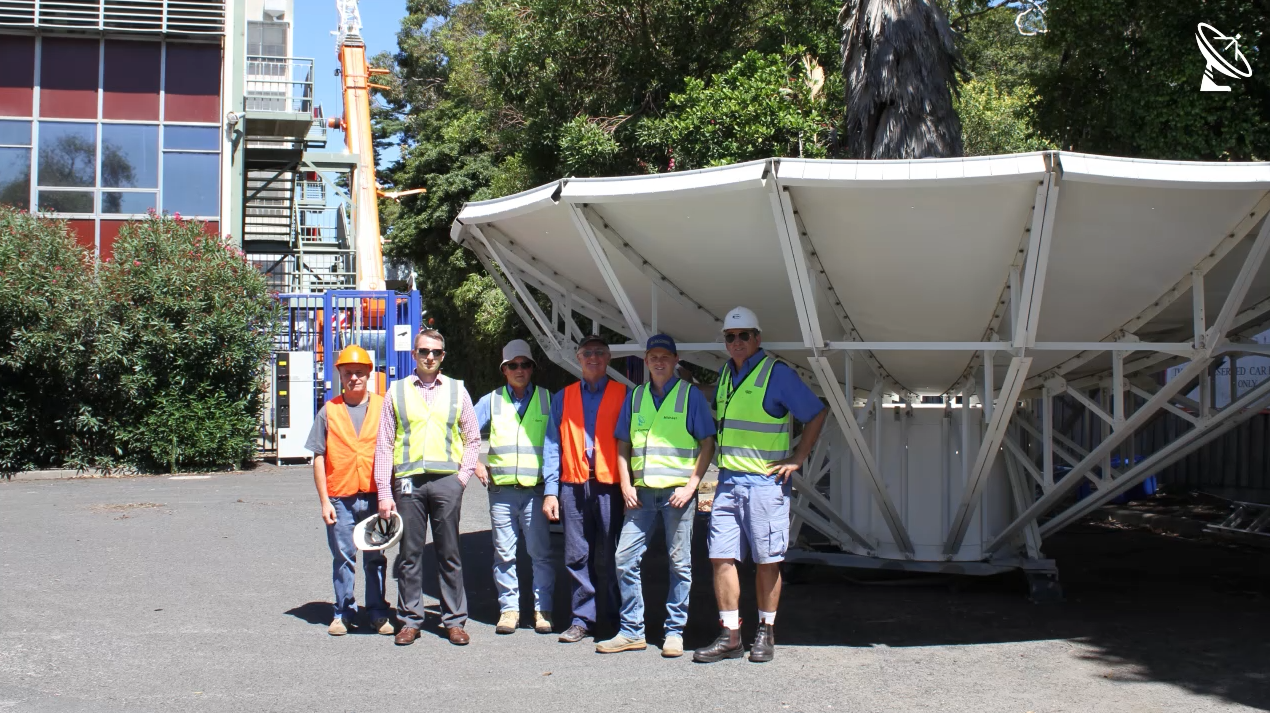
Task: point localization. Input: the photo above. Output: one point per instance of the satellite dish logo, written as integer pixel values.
(1209, 38)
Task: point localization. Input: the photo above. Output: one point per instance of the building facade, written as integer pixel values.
(110, 109)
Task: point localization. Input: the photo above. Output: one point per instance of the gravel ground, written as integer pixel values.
(213, 594)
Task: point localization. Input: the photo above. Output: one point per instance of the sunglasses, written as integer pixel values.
(589, 353)
(436, 353)
(732, 337)
(518, 365)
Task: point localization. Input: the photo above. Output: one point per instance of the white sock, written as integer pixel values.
(731, 619)
(766, 617)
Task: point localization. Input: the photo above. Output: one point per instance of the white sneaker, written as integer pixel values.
(337, 627)
(673, 648)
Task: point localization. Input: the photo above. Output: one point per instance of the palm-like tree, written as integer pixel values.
(901, 67)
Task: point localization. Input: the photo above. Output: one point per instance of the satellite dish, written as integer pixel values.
(1206, 36)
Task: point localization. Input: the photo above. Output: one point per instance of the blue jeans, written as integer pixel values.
(349, 511)
(630, 551)
(514, 512)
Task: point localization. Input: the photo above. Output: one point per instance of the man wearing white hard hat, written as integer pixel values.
(756, 402)
(517, 415)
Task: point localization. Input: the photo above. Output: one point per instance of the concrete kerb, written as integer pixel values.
(260, 468)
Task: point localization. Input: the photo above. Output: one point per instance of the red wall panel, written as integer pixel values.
(109, 232)
(85, 233)
(68, 78)
(192, 83)
(131, 80)
(17, 57)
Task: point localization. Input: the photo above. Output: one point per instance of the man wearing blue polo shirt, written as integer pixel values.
(756, 402)
(665, 437)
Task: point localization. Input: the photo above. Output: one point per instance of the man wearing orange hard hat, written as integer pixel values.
(343, 445)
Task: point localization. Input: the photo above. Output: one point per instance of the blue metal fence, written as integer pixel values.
(381, 322)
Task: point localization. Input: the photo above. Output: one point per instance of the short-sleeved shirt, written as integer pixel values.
(317, 434)
(786, 394)
(699, 421)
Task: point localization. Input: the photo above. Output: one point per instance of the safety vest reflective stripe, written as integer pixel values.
(738, 424)
(750, 439)
(663, 452)
(428, 437)
(516, 444)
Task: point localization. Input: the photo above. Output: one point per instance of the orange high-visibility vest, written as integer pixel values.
(573, 461)
(350, 456)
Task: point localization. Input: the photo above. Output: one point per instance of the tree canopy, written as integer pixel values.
(490, 97)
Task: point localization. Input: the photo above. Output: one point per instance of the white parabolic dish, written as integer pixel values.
(918, 269)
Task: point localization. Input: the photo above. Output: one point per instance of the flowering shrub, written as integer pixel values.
(152, 360)
(46, 297)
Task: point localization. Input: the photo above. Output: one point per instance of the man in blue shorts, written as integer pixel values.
(756, 402)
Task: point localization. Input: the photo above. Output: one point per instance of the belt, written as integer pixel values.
(495, 487)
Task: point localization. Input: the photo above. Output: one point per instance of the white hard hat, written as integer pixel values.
(740, 318)
(516, 348)
(376, 533)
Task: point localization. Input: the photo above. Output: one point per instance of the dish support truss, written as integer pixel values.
(972, 484)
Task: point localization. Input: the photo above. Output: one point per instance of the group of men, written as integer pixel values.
(608, 461)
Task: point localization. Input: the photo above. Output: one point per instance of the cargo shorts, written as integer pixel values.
(749, 518)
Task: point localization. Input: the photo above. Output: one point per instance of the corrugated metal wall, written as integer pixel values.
(1236, 465)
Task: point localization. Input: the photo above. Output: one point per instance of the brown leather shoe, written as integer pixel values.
(458, 637)
(406, 636)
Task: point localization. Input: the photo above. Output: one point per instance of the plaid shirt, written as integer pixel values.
(468, 429)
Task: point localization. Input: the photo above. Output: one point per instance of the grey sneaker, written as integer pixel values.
(621, 642)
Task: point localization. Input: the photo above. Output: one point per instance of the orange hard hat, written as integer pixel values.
(354, 355)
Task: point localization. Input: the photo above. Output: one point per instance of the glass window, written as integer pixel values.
(66, 201)
(191, 183)
(15, 133)
(129, 156)
(267, 39)
(68, 154)
(196, 138)
(132, 202)
(15, 177)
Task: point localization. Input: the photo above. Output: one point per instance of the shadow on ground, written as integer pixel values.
(1151, 607)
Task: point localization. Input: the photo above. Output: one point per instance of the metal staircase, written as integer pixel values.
(1248, 521)
(295, 217)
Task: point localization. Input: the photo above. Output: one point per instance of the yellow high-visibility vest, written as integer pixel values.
(750, 440)
(428, 437)
(515, 443)
(663, 452)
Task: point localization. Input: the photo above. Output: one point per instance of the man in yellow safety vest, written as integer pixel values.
(426, 451)
(665, 438)
(755, 404)
(517, 415)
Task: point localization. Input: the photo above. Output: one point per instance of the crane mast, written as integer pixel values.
(355, 74)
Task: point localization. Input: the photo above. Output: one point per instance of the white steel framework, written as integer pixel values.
(942, 308)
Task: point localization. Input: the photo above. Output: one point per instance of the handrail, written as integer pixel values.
(282, 84)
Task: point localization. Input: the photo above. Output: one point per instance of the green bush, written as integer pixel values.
(153, 360)
(46, 298)
(187, 329)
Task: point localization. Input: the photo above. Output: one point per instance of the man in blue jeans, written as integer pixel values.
(517, 415)
(343, 444)
(665, 437)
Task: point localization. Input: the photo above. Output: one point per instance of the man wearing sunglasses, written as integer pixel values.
(427, 450)
(755, 404)
(517, 416)
(580, 475)
(665, 441)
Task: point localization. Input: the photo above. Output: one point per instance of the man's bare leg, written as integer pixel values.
(767, 582)
(727, 585)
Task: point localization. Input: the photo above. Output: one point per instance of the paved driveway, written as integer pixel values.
(160, 594)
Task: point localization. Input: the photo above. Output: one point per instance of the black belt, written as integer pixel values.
(495, 487)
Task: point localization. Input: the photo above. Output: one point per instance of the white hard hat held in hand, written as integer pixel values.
(740, 318)
(376, 533)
